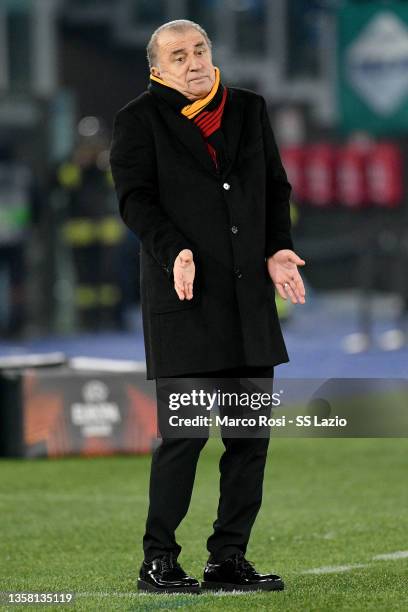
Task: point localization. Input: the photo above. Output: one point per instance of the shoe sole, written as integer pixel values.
(142, 585)
(228, 586)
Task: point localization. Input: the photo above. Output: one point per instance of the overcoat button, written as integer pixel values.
(238, 273)
(226, 186)
(234, 229)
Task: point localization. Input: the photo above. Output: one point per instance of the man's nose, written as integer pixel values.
(195, 63)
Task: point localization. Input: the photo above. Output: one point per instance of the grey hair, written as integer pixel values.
(178, 25)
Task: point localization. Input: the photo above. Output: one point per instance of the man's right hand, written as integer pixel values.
(183, 273)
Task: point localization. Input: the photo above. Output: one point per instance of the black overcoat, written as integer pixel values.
(172, 197)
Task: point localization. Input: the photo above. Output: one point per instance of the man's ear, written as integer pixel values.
(155, 71)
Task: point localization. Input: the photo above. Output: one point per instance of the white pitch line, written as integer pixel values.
(400, 554)
(138, 594)
(333, 569)
(328, 569)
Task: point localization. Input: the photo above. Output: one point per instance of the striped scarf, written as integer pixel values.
(206, 113)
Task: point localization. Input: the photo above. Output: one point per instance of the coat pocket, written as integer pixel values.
(173, 305)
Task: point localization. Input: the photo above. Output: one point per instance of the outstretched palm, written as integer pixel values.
(282, 268)
(184, 273)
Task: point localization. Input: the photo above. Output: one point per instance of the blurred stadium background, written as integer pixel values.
(334, 74)
(335, 77)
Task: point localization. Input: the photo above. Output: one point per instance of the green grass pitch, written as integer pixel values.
(76, 525)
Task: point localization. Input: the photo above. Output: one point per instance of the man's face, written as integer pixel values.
(184, 61)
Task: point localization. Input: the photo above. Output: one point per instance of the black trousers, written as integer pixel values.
(172, 475)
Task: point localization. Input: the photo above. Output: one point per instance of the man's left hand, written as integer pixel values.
(282, 268)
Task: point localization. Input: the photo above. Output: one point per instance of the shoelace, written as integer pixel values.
(168, 562)
(243, 564)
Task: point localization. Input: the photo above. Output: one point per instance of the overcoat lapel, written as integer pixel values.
(186, 131)
(189, 134)
(232, 127)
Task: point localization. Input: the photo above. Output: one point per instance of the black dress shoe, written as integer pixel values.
(236, 573)
(165, 575)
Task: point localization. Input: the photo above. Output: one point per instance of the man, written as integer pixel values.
(200, 181)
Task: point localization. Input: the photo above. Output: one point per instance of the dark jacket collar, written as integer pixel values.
(171, 96)
(170, 102)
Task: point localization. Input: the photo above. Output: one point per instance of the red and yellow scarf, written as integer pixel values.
(207, 114)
